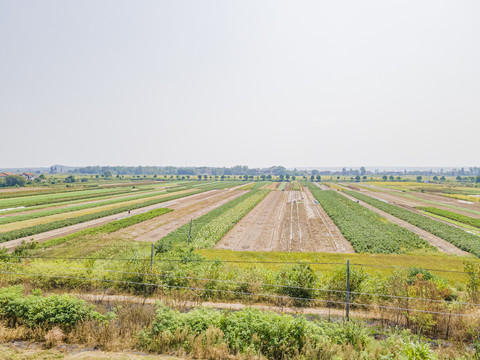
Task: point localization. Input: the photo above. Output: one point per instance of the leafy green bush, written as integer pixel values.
(298, 281)
(416, 350)
(35, 310)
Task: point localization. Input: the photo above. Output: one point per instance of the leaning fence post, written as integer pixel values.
(190, 230)
(348, 291)
(151, 258)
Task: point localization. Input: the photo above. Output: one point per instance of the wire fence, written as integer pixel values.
(346, 294)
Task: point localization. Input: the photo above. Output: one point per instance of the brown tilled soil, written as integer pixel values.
(272, 186)
(184, 211)
(439, 243)
(286, 221)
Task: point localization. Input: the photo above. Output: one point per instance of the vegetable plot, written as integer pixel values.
(208, 229)
(367, 231)
(456, 236)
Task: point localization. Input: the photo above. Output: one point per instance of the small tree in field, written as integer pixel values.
(319, 178)
(419, 178)
(70, 179)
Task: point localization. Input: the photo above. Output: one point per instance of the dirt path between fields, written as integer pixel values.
(155, 229)
(322, 311)
(439, 243)
(286, 221)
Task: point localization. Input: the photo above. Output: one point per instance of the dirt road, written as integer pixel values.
(286, 221)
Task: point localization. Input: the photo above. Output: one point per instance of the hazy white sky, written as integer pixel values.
(220, 83)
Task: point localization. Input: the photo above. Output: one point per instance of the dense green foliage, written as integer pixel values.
(12, 180)
(270, 334)
(208, 229)
(456, 236)
(366, 230)
(468, 220)
(35, 310)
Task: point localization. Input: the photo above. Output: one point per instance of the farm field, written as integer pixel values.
(457, 236)
(439, 243)
(412, 199)
(286, 221)
(60, 224)
(229, 244)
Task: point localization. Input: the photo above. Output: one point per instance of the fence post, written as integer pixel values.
(151, 258)
(190, 230)
(348, 291)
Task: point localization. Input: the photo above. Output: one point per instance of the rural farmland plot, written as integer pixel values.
(286, 221)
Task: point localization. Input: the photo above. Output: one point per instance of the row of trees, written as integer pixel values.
(12, 180)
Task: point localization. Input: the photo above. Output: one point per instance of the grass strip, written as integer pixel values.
(456, 236)
(367, 231)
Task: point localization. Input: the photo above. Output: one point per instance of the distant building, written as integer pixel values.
(29, 176)
(3, 174)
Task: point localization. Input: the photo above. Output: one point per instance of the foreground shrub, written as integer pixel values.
(298, 281)
(249, 331)
(35, 310)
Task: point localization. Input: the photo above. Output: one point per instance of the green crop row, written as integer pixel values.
(282, 186)
(28, 231)
(456, 236)
(208, 229)
(367, 231)
(452, 216)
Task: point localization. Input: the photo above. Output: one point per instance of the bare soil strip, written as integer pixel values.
(439, 243)
(154, 229)
(286, 221)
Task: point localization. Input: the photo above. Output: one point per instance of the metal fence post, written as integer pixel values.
(190, 230)
(151, 258)
(348, 291)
